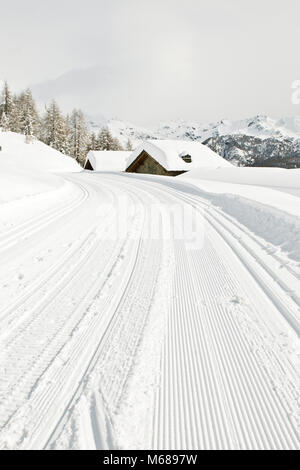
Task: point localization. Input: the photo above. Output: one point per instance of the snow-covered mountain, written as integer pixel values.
(259, 126)
(260, 140)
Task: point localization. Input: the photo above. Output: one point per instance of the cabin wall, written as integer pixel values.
(151, 167)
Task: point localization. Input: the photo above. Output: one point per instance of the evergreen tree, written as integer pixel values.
(129, 146)
(106, 141)
(15, 116)
(6, 107)
(66, 144)
(4, 122)
(54, 130)
(67, 134)
(27, 115)
(6, 101)
(79, 136)
(93, 142)
(116, 144)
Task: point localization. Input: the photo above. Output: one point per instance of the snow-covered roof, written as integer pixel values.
(108, 160)
(168, 153)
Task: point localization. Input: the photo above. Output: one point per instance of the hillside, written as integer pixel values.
(28, 169)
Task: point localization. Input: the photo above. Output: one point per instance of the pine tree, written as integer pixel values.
(66, 144)
(116, 144)
(106, 141)
(93, 142)
(15, 116)
(28, 116)
(4, 122)
(67, 131)
(79, 136)
(67, 134)
(129, 146)
(54, 130)
(6, 101)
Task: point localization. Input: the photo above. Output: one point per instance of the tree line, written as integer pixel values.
(69, 134)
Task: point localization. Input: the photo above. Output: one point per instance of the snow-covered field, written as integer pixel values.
(118, 331)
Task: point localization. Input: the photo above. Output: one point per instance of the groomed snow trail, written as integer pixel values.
(114, 338)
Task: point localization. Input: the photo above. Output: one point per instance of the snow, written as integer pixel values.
(114, 337)
(108, 160)
(265, 200)
(168, 153)
(18, 183)
(260, 126)
(27, 169)
(35, 155)
(275, 187)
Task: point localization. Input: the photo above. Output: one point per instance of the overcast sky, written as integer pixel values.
(153, 60)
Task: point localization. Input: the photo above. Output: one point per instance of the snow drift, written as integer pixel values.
(36, 155)
(28, 169)
(265, 200)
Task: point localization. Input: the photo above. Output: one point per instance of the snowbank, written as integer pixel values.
(19, 183)
(265, 200)
(27, 169)
(169, 152)
(108, 160)
(278, 227)
(271, 177)
(275, 187)
(36, 156)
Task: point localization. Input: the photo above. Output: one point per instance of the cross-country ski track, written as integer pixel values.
(114, 339)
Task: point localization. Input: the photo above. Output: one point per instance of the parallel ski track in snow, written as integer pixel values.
(26, 316)
(69, 341)
(215, 393)
(38, 384)
(42, 284)
(121, 315)
(282, 289)
(13, 236)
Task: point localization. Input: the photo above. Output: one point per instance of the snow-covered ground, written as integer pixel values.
(27, 169)
(118, 330)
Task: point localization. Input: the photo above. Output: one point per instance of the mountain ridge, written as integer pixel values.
(257, 141)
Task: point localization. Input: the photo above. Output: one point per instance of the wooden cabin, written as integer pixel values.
(144, 163)
(172, 158)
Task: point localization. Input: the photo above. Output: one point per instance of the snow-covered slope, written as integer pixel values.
(35, 155)
(16, 183)
(27, 169)
(276, 187)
